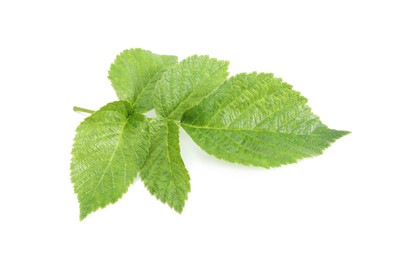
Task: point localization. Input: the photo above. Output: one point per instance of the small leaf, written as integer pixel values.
(256, 119)
(109, 148)
(134, 74)
(164, 173)
(186, 84)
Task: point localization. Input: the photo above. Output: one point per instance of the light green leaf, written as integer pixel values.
(134, 74)
(256, 119)
(186, 84)
(109, 148)
(164, 173)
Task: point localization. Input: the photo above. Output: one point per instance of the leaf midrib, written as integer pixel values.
(248, 129)
(169, 160)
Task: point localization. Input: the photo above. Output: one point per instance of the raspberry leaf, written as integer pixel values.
(256, 119)
(109, 148)
(186, 84)
(163, 172)
(134, 74)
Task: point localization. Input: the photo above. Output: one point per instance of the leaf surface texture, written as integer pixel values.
(256, 119)
(186, 84)
(109, 148)
(164, 173)
(134, 74)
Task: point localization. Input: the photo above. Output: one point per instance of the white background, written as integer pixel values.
(356, 61)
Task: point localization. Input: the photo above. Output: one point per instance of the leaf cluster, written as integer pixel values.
(252, 119)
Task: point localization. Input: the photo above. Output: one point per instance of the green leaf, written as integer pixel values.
(186, 84)
(252, 119)
(256, 119)
(109, 148)
(164, 173)
(134, 74)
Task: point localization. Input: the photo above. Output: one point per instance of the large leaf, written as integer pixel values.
(134, 74)
(256, 119)
(109, 148)
(164, 173)
(186, 84)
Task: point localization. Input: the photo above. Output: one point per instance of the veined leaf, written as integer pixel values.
(164, 173)
(134, 74)
(252, 119)
(256, 119)
(186, 84)
(109, 148)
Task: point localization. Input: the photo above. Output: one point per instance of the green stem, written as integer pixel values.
(80, 109)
